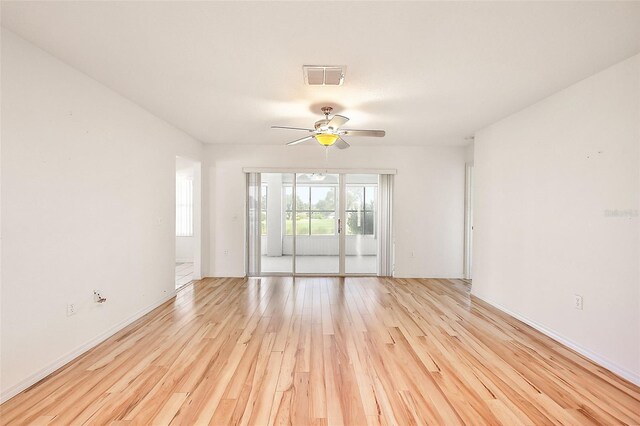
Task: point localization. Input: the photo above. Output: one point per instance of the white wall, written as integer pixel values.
(547, 183)
(88, 193)
(429, 200)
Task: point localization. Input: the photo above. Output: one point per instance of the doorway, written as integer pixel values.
(315, 223)
(187, 231)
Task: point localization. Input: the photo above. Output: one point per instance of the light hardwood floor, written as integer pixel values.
(349, 351)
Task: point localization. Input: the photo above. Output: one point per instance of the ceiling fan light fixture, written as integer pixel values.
(326, 139)
(329, 132)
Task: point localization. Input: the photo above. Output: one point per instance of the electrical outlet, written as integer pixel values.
(577, 301)
(71, 309)
(97, 297)
(226, 252)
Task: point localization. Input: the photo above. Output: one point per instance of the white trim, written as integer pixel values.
(468, 221)
(197, 219)
(598, 359)
(318, 170)
(342, 206)
(294, 221)
(421, 276)
(65, 359)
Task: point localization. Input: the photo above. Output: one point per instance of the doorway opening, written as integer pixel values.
(187, 235)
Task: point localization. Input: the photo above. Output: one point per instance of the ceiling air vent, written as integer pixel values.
(324, 75)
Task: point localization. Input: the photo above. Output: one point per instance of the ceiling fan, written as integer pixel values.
(327, 132)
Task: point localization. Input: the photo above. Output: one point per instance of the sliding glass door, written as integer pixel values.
(276, 245)
(314, 224)
(361, 236)
(317, 231)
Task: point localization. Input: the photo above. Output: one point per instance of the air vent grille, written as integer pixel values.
(324, 75)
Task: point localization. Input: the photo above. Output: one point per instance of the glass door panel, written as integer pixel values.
(315, 223)
(276, 243)
(317, 243)
(361, 208)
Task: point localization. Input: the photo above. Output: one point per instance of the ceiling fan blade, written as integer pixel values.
(291, 128)
(337, 121)
(354, 132)
(341, 144)
(297, 141)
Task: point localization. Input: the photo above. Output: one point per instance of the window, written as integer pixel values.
(360, 211)
(263, 209)
(184, 206)
(315, 210)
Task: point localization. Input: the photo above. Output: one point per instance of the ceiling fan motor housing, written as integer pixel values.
(322, 124)
(326, 110)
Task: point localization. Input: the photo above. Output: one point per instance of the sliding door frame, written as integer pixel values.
(342, 207)
(341, 217)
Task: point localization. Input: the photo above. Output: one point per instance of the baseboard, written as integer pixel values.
(65, 359)
(426, 277)
(598, 359)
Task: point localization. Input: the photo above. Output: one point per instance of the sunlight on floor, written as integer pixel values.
(184, 273)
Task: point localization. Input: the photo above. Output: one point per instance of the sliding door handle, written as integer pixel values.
(339, 226)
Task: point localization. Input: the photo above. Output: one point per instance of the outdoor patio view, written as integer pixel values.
(317, 212)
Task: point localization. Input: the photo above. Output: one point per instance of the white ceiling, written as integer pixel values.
(428, 73)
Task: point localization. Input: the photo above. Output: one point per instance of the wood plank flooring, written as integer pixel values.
(318, 351)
